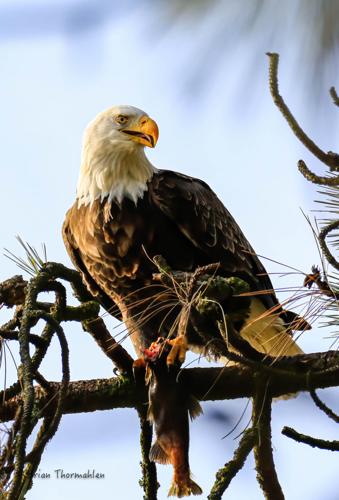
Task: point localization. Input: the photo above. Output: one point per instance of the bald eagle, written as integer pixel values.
(127, 211)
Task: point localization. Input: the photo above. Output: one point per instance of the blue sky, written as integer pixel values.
(229, 134)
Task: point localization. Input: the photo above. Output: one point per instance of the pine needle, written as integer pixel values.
(32, 262)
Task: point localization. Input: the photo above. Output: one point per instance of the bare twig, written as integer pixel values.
(13, 335)
(334, 95)
(316, 179)
(311, 441)
(225, 475)
(330, 159)
(321, 405)
(323, 245)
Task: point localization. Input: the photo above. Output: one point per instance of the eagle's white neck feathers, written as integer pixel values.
(112, 169)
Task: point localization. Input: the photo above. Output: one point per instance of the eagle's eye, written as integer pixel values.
(121, 119)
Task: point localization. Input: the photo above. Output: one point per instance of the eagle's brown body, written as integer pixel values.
(179, 218)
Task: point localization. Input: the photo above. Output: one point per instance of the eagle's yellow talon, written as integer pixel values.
(178, 350)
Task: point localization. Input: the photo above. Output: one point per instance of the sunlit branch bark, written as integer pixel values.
(330, 159)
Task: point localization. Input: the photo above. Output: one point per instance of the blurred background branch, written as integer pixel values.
(219, 27)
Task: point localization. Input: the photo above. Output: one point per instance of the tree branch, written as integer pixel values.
(323, 245)
(321, 405)
(316, 179)
(207, 384)
(149, 481)
(330, 159)
(334, 95)
(311, 441)
(225, 475)
(263, 454)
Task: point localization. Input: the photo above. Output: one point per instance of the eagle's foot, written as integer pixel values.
(178, 350)
(174, 350)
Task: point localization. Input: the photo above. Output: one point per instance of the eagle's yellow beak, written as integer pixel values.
(145, 132)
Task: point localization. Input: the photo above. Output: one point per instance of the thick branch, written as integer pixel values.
(205, 383)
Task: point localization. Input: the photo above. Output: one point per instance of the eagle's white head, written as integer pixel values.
(114, 163)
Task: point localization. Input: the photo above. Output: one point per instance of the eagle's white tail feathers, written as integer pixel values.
(267, 332)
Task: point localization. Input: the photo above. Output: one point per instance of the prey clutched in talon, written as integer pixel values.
(175, 350)
(170, 406)
(154, 351)
(178, 350)
(151, 355)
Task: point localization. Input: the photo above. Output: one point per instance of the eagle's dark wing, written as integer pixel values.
(204, 220)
